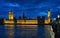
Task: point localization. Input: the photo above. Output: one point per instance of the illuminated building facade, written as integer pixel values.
(25, 21)
(48, 20)
(11, 16)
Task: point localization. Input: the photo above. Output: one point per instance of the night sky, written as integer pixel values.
(31, 8)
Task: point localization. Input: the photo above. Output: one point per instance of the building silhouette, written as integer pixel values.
(19, 17)
(56, 27)
(1, 21)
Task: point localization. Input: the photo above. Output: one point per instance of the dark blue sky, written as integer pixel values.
(31, 8)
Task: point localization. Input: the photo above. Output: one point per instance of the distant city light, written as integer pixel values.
(58, 16)
(54, 19)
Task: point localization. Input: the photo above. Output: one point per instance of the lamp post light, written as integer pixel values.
(58, 16)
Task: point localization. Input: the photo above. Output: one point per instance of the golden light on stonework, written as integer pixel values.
(48, 20)
(27, 21)
(11, 16)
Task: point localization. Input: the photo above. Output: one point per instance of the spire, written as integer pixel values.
(24, 15)
(11, 10)
(48, 9)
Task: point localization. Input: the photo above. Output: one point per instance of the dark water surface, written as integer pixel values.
(22, 32)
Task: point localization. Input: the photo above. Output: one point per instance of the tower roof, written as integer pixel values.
(48, 9)
(10, 12)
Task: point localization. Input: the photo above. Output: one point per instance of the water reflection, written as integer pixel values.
(24, 31)
(9, 31)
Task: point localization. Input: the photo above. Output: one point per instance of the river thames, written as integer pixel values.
(25, 31)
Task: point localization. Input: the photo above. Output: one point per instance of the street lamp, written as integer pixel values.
(58, 16)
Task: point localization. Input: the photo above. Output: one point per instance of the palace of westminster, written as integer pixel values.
(25, 23)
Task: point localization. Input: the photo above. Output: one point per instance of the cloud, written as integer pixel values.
(32, 7)
(58, 7)
(27, 3)
(42, 14)
(12, 4)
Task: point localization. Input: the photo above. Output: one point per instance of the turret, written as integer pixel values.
(11, 16)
